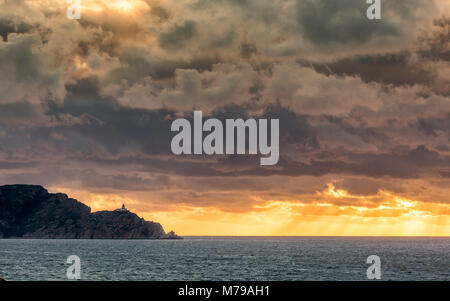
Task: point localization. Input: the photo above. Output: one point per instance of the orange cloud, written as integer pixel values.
(392, 216)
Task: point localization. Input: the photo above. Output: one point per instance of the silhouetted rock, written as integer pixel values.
(172, 235)
(31, 212)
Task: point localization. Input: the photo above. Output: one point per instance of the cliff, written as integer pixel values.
(28, 211)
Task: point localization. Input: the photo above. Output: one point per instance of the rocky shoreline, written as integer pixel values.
(29, 211)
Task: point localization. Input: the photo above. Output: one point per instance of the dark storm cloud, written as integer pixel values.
(341, 22)
(361, 100)
(9, 26)
(247, 50)
(117, 126)
(391, 68)
(178, 35)
(407, 67)
(412, 164)
(24, 74)
(19, 113)
(138, 65)
(26, 65)
(124, 137)
(294, 128)
(358, 127)
(432, 125)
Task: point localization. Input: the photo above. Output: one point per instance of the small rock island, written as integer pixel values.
(30, 211)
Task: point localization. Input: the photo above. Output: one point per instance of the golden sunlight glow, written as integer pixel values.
(92, 8)
(123, 5)
(390, 215)
(120, 6)
(337, 193)
(406, 203)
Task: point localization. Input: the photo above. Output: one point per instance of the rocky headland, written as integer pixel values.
(28, 211)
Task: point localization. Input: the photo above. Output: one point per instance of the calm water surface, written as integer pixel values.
(230, 258)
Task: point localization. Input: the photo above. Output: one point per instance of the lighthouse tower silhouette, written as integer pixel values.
(123, 209)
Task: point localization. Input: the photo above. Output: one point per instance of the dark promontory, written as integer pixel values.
(28, 211)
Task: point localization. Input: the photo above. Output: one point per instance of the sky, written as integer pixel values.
(364, 107)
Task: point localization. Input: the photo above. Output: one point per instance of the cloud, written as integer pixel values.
(178, 35)
(23, 72)
(391, 68)
(342, 22)
(363, 105)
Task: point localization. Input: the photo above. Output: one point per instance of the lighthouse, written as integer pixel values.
(123, 209)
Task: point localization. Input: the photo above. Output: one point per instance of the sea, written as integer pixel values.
(228, 258)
